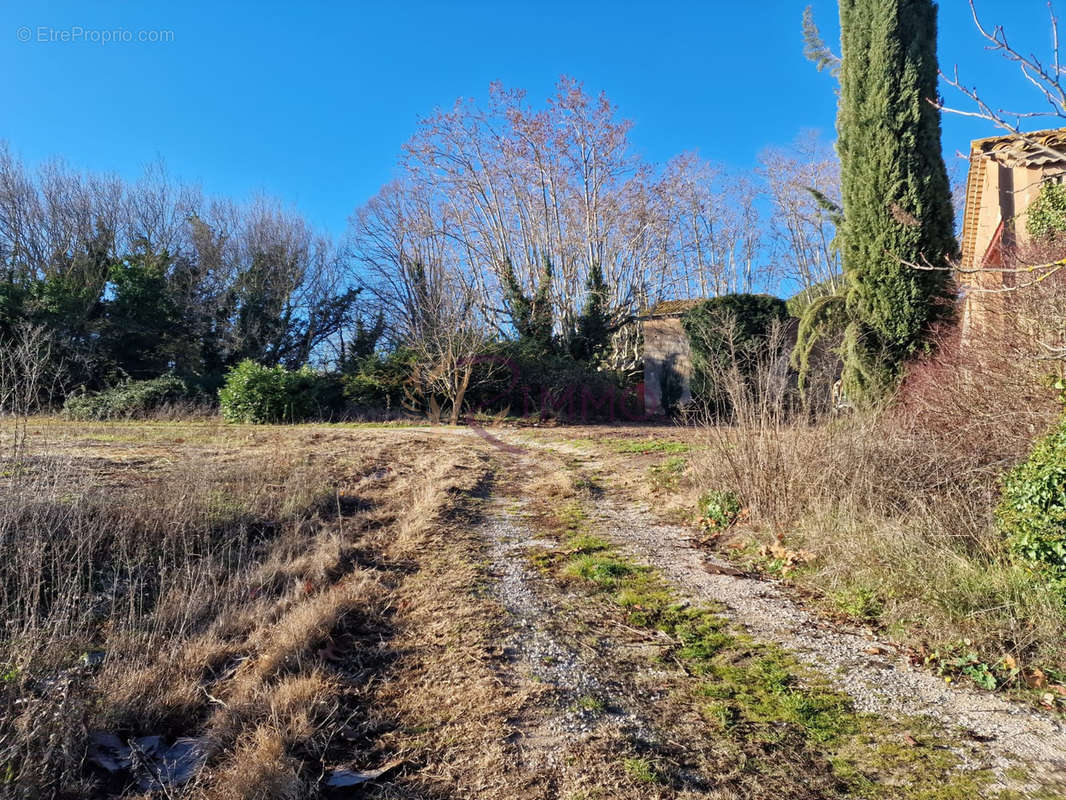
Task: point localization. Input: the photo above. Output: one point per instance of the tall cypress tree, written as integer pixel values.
(897, 200)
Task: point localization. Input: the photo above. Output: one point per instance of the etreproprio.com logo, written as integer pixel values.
(78, 34)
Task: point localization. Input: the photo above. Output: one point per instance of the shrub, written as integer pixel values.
(262, 395)
(1032, 513)
(378, 381)
(130, 399)
(731, 334)
(526, 382)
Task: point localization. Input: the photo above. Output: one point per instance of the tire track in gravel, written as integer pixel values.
(1008, 734)
(539, 650)
(881, 683)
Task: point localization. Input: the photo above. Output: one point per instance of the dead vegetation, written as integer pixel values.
(717, 713)
(896, 506)
(305, 604)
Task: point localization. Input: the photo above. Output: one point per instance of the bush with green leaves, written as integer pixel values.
(256, 394)
(1032, 511)
(130, 399)
(1046, 216)
(377, 381)
(731, 331)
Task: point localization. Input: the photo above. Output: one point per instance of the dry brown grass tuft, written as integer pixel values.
(261, 769)
(897, 505)
(309, 620)
(256, 592)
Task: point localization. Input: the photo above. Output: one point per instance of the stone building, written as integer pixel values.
(1006, 175)
(667, 356)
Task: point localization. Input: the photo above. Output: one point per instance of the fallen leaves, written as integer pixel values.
(786, 558)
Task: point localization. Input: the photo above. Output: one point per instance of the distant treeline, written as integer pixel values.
(133, 280)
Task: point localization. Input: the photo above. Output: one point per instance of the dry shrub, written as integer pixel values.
(897, 505)
(985, 401)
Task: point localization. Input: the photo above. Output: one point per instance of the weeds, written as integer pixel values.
(666, 476)
(762, 700)
(645, 446)
(719, 509)
(241, 597)
(641, 770)
(894, 508)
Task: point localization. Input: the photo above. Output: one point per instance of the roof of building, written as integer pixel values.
(670, 308)
(1030, 148)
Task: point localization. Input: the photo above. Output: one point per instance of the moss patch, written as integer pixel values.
(760, 699)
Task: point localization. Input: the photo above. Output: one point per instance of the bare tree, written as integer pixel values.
(451, 348)
(801, 181)
(498, 191)
(1044, 77)
(709, 230)
(29, 378)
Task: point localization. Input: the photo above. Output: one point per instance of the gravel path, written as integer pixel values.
(872, 672)
(537, 650)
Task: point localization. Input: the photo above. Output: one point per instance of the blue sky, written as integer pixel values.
(310, 102)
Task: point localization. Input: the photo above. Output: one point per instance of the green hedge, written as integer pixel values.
(727, 331)
(261, 395)
(130, 399)
(378, 381)
(1032, 512)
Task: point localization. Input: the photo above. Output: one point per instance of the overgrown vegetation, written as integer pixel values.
(1046, 215)
(258, 394)
(242, 593)
(1032, 513)
(896, 509)
(135, 399)
(756, 702)
(731, 332)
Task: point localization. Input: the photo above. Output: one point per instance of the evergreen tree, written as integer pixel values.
(531, 314)
(896, 196)
(593, 329)
(141, 326)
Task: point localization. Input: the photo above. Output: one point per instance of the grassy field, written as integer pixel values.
(313, 604)
(292, 598)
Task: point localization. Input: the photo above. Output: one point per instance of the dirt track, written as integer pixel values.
(539, 630)
(992, 733)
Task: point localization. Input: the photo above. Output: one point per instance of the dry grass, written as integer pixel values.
(897, 506)
(293, 598)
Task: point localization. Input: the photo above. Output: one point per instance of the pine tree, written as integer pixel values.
(592, 330)
(531, 315)
(896, 196)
